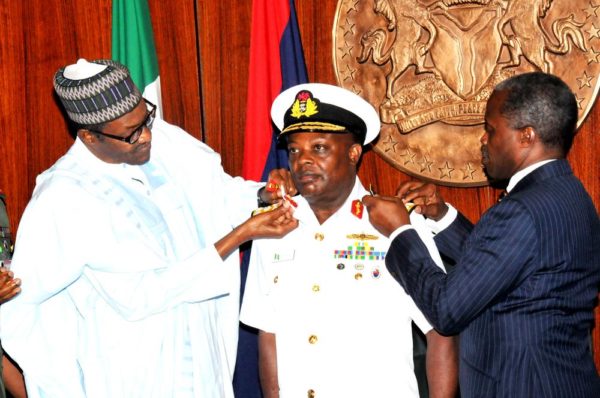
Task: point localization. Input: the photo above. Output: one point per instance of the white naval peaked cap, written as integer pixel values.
(318, 107)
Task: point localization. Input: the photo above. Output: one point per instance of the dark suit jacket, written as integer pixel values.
(522, 292)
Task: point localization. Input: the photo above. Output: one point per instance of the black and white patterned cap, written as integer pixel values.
(96, 92)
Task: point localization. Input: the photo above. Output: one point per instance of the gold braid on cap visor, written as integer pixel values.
(313, 126)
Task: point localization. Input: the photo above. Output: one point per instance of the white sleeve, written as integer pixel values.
(257, 306)
(241, 197)
(195, 156)
(418, 222)
(58, 243)
(438, 226)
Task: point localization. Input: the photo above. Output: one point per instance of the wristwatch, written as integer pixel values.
(259, 201)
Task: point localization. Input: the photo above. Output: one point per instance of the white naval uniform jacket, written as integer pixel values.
(342, 323)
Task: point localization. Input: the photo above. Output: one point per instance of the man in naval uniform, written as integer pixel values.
(332, 321)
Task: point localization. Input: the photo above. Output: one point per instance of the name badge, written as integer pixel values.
(281, 256)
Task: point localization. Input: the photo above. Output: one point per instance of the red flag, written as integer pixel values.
(276, 63)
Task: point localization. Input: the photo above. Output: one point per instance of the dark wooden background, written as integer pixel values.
(203, 49)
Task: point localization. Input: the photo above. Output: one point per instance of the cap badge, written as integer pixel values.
(304, 105)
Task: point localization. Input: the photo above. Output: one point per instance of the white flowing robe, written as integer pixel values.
(121, 280)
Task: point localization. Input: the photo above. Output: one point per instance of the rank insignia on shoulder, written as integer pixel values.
(362, 236)
(357, 208)
(271, 186)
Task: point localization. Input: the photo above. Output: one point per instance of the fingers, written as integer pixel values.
(386, 213)
(370, 201)
(408, 188)
(276, 223)
(281, 178)
(9, 288)
(278, 214)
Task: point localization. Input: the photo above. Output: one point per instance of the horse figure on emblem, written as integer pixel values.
(530, 39)
(405, 18)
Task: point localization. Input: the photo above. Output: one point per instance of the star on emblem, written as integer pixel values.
(391, 144)
(594, 32)
(446, 171)
(579, 101)
(346, 50)
(353, 7)
(585, 80)
(349, 73)
(593, 55)
(468, 172)
(591, 10)
(425, 164)
(409, 155)
(348, 27)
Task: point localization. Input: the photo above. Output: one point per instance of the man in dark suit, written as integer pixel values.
(527, 274)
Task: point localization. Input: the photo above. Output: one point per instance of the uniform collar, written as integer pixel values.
(305, 215)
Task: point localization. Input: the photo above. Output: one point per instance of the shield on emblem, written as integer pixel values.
(470, 38)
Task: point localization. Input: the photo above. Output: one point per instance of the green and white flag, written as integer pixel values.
(133, 46)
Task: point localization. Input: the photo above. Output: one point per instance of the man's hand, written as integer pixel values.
(272, 224)
(279, 183)
(386, 213)
(9, 286)
(425, 196)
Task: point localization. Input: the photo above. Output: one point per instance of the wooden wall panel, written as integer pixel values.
(224, 35)
(13, 132)
(37, 38)
(175, 33)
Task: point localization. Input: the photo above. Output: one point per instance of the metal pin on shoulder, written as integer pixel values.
(286, 197)
(371, 191)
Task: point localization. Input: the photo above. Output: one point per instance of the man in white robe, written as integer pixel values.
(128, 253)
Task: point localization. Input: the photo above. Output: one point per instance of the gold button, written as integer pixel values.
(316, 288)
(276, 279)
(358, 276)
(311, 393)
(313, 339)
(319, 236)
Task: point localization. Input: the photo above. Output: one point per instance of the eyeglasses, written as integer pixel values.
(137, 133)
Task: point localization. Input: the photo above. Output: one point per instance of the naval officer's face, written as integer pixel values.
(323, 165)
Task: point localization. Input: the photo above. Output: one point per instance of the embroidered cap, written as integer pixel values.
(96, 92)
(317, 107)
